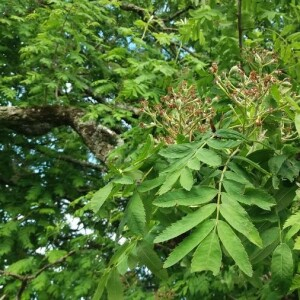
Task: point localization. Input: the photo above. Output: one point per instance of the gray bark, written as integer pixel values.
(39, 120)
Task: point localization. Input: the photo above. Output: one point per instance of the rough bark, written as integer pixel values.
(36, 121)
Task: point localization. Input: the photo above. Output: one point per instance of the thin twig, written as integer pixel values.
(25, 279)
(240, 29)
(178, 13)
(67, 158)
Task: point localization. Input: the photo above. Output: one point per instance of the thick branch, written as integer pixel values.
(134, 8)
(36, 121)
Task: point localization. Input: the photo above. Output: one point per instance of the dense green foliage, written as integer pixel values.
(202, 199)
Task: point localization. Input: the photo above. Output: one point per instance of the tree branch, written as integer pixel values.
(62, 259)
(27, 278)
(67, 158)
(178, 13)
(131, 7)
(36, 121)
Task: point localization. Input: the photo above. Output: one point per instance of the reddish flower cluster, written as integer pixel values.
(181, 112)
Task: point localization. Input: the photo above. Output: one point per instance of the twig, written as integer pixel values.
(67, 158)
(22, 289)
(25, 279)
(63, 258)
(240, 29)
(178, 13)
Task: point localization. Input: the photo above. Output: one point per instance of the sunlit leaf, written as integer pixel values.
(234, 247)
(189, 243)
(136, 215)
(186, 179)
(186, 223)
(100, 196)
(194, 164)
(208, 255)
(209, 157)
(169, 182)
(197, 195)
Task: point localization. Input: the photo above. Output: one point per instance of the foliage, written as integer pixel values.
(202, 199)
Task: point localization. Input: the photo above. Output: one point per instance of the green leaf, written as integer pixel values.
(236, 188)
(149, 185)
(297, 122)
(124, 180)
(136, 215)
(101, 285)
(186, 223)
(22, 266)
(276, 162)
(177, 164)
(297, 243)
(209, 157)
(252, 163)
(294, 223)
(234, 247)
(219, 144)
(197, 195)
(230, 134)
(235, 177)
(194, 164)
(189, 243)
(177, 151)
(122, 252)
(100, 196)
(261, 155)
(295, 283)
(186, 179)
(148, 257)
(292, 231)
(292, 220)
(114, 286)
(238, 218)
(275, 92)
(259, 198)
(208, 255)
(41, 282)
(169, 182)
(54, 255)
(282, 267)
(270, 238)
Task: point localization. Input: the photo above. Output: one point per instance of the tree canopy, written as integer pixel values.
(149, 149)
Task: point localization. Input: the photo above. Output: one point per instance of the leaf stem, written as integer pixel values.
(221, 182)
